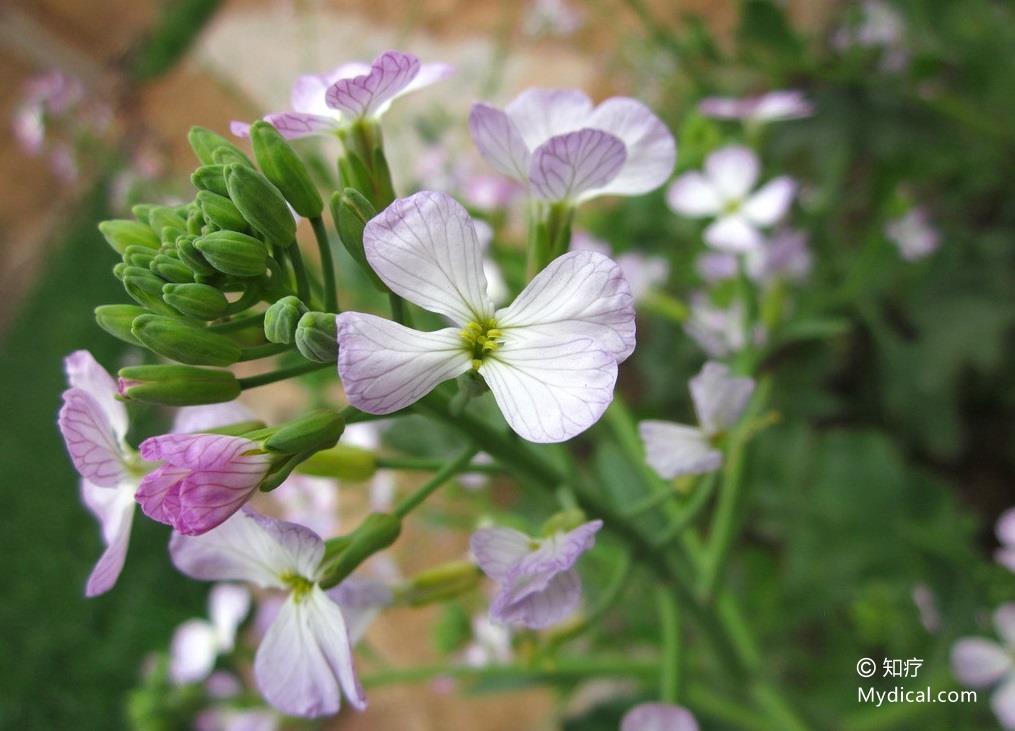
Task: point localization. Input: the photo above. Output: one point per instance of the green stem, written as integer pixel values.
(238, 323)
(669, 663)
(327, 264)
(653, 500)
(250, 297)
(411, 502)
(745, 293)
(282, 374)
(423, 464)
(265, 350)
(300, 270)
(399, 312)
(698, 500)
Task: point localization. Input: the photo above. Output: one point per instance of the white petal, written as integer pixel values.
(540, 114)
(307, 95)
(499, 142)
(541, 609)
(693, 195)
(643, 273)
(425, 248)
(675, 449)
(651, 150)
(1006, 557)
(1002, 702)
(367, 95)
(192, 651)
(733, 171)
(228, 605)
(550, 388)
(91, 438)
(429, 73)
(249, 547)
(580, 294)
(305, 659)
(733, 233)
(719, 398)
(978, 662)
(1005, 528)
(498, 549)
(84, 372)
(191, 419)
(1004, 623)
(576, 165)
(114, 509)
(770, 202)
(658, 717)
(385, 366)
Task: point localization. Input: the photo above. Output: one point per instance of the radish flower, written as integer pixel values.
(775, 106)
(197, 642)
(658, 717)
(981, 663)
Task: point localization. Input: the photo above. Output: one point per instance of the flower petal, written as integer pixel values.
(576, 165)
(191, 419)
(1005, 528)
(114, 509)
(192, 652)
(305, 658)
(770, 202)
(693, 195)
(658, 717)
(540, 114)
(1002, 702)
(719, 398)
(674, 449)
(538, 610)
(307, 95)
(295, 125)
(385, 366)
(429, 73)
(651, 150)
(733, 233)
(580, 294)
(499, 142)
(733, 170)
(497, 550)
(228, 605)
(978, 662)
(91, 438)
(550, 389)
(361, 600)
(364, 96)
(249, 547)
(425, 248)
(84, 372)
(159, 493)
(1004, 623)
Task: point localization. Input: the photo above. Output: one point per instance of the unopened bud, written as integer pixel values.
(341, 462)
(211, 178)
(262, 204)
(178, 385)
(146, 289)
(162, 217)
(281, 319)
(220, 210)
(193, 258)
(204, 143)
(195, 220)
(117, 319)
(140, 211)
(231, 156)
(171, 269)
(185, 343)
(121, 233)
(283, 167)
(231, 252)
(377, 532)
(195, 300)
(441, 583)
(316, 430)
(139, 256)
(317, 337)
(352, 211)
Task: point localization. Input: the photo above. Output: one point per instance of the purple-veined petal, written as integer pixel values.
(770, 202)
(191, 419)
(304, 663)
(159, 493)
(363, 96)
(91, 440)
(555, 554)
(733, 171)
(540, 114)
(497, 550)
(693, 195)
(1004, 623)
(557, 599)
(294, 125)
(199, 451)
(733, 233)
(658, 717)
(361, 600)
(249, 547)
(385, 366)
(192, 651)
(580, 294)
(675, 449)
(84, 372)
(719, 398)
(426, 249)
(550, 388)
(228, 605)
(114, 509)
(499, 142)
(978, 662)
(575, 165)
(1002, 702)
(207, 498)
(651, 150)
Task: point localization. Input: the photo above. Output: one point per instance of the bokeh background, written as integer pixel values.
(895, 452)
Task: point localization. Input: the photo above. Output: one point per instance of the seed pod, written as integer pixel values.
(282, 318)
(231, 252)
(121, 233)
(171, 269)
(314, 431)
(261, 204)
(211, 178)
(352, 212)
(195, 300)
(116, 320)
(317, 337)
(204, 143)
(283, 167)
(184, 342)
(177, 385)
(220, 210)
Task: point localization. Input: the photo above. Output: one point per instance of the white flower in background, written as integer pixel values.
(785, 255)
(775, 106)
(926, 605)
(197, 642)
(719, 331)
(552, 18)
(719, 401)
(491, 643)
(981, 663)
(237, 719)
(658, 717)
(643, 273)
(880, 27)
(914, 234)
(1005, 530)
(723, 191)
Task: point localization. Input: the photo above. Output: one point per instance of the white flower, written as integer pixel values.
(914, 234)
(197, 642)
(1005, 530)
(982, 663)
(719, 332)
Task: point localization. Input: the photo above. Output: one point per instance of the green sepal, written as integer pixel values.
(117, 319)
(234, 253)
(184, 342)
(353, 173)
(121, 233)
(317, 337)
(171, 269)
(342, 462)
(196, 300)
(283, 167)
(211, 178)
(177, 385)
(262, 205)
(220, 210)
(377, 532)
(352, 211)
(314, 431)
(282, 318)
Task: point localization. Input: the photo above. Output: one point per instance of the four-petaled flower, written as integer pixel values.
(550, 358)
(197, 642)
(539, 585)
(723, 192)
(982, 663)
(565, 149)
(324, 103)
(304, 663)
(658, 717)
(775, 106)
(719, 401)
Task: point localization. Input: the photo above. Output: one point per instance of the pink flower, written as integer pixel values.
(771, 107)
(658, 717)
(981, 663)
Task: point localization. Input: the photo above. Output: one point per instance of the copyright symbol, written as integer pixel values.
(865, 667)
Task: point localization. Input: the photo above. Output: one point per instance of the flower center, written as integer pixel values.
(299, 586)
(480, 339)
(732, 206)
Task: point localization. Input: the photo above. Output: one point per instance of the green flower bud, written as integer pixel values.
(121, 233)
(220, 210)
(171, 269)
(161, 217)
(341, 462)
(283, 167)
(116, 320)
(140, 211)
(317, 430)
(204, 143)
(177, 385)
(234, 253)
(146, 289)
(261, 204)
(119, 268)
(225, 156)
(139, 256)
(193, 258)
(169, 234)
(211, 178)
(441, 583)
(185, 343)
(352, 212)
(195, 300)
(317, 337)
(281, 319)
(377, 532)
(195, 220)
